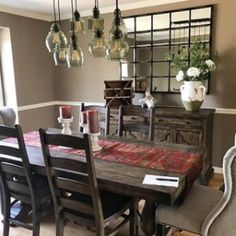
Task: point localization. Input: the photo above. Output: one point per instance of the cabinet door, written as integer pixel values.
(189, 136)
(163, 134)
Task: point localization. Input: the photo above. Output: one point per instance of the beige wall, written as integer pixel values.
(33, 67)
(35, 80)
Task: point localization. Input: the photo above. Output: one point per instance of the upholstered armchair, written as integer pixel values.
(7, 116)
(206, 211)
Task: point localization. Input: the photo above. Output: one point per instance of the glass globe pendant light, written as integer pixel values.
(118, 47)
(53, 39)
(60, 51)
(75, 56)
(98, 44)
(77, 22)
(96, 22)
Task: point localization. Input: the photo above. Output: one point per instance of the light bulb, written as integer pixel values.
(75, 56)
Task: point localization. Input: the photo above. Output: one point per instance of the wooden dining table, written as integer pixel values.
(127, 178)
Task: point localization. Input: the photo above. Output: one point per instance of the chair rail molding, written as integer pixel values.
(229, 111)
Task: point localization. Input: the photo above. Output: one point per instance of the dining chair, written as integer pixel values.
(20, 183)
(136, 119)
(104, 116)
(75, 189)
(206, 211)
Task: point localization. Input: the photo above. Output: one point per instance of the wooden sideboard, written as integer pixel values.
(175, 125)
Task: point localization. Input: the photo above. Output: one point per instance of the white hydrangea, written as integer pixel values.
(180, 76)
(211, 65)
(193, 72)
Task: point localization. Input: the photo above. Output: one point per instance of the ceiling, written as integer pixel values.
(42, 9)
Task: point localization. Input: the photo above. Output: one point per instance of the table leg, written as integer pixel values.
(148, 218)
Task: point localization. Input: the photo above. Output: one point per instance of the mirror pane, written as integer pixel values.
(143, 69)
(201, 13)
(180, 19)
(200, 32)
(129, 23)
(131, 39)
(175, 85)
(160, 85)
(161, 69)
(144, 54)
(161, 21)
(143, 23)
(180, 36)
(160, 53)
(142, 84)
(144, 39)
(161, 37)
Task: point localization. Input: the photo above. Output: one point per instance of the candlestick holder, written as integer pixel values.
(65, 125)
(94, 140)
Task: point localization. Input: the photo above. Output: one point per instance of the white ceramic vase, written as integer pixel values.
(192, 94)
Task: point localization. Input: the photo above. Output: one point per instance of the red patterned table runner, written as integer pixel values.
(161, 158)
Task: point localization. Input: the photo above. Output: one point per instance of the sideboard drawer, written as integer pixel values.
(178, 121)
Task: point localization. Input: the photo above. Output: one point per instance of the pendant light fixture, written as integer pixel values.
(55, 36)
(77, 22)
(75, 55)
(118, 47)
(96, 22)
(60, 51)
(98, 44)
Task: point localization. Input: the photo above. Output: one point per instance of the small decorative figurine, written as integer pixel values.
(149, 100)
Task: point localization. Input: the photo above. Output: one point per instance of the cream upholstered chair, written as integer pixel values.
(206, 211)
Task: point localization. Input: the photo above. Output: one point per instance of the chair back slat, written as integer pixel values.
(136, 119)
(6, 131)
(10, 151)
(71, 185)
(66, 140)
(18, 188)
(72, 182)
(13, 169)
(65, 163)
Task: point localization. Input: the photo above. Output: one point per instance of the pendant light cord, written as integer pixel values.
(76, 5)
(117, 4)
(54, 11)
(59, 12)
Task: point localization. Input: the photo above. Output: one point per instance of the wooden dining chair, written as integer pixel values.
(20, 183)
(136, 119)
(104, 116)
(75, 190)
(206, 211)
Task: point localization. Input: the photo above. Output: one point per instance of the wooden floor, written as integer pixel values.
(48, 226)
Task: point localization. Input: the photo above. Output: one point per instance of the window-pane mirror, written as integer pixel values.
(152, 36)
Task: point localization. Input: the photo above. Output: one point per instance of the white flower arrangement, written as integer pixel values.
(199, 65)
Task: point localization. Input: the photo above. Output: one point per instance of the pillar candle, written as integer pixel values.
(93, 122)
(65, 112)
(83, 117)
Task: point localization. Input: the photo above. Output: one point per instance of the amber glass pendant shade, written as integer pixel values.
(98, 44)
(118, 47)
(75, 56)
(96, 22)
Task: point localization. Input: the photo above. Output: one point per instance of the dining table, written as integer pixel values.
(122, 164)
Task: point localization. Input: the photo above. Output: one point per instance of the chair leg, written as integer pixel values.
(36, 220)
(59, 226)
(134, 218)
(6, 216)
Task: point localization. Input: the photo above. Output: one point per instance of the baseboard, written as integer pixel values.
(218, 170)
